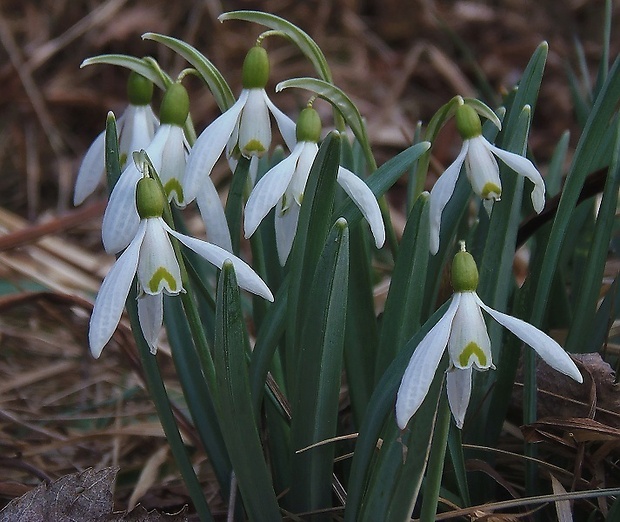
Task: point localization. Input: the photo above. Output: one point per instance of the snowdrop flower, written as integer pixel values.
(135, 128)
(463, 331)
(482, 171)
(151, 257)
(168, 154)
(244, 129)
(283, 187)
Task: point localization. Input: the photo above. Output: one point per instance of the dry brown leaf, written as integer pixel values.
(562, 507)
(148, 475)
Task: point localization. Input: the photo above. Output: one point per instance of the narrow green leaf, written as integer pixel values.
(112, 156)
(606, 314)
(210, 74)
(402, 315)
(234, 202)
(139, 65)
(236, 414)
(306, 44)
(340, 101)
(315, 409)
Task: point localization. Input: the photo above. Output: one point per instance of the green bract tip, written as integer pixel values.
(139, 89)
(149, 199)
(464, 272)
(468, 122)
(255, 69)
(308, 125)
(175, 105)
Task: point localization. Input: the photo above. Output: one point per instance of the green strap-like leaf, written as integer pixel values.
(140, 65)
(306, 44)
(210, 74)
(236, 414)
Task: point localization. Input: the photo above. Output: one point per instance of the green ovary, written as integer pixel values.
(475, 350)
(491, 190)
(161, 274)
(173, 185)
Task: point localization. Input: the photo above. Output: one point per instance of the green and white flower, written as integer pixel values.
(136, 128)
(478, 156)
(463, 332)
(283, 187)
(245, 127)
(151, 257)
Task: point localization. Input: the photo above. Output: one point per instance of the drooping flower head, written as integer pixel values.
(463, 331)
(244, 129)
(283, 187)
(478, 156)
(151, 257)
(135, 128)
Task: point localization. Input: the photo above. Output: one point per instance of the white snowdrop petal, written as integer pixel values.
(138, 130)
(158, 267)
(469, 341)
(526, 168)
(440, 195)
(285, 227)
(268, 191)
(254, 125)
(422, 366)
(246, 277)
(365, 200)
(482, 169)
(212, 213)
(458, 385)
(91, 171)
(172, 165)
(112, 295)
(121, 219)
(151, 317)
(286, 125)
(208, 148)
(551, 352)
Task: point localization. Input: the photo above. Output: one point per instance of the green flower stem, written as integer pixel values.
(436, 462)
(157, 391)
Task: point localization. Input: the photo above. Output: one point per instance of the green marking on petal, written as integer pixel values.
(173, 185)
(253, 146)
(491, 191)
(161, 274)
(475, 350)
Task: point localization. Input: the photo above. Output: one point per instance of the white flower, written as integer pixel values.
(283, 187)
(245, 127)
(150, 255)
(463, 331)
(482, 171)
(136, 128)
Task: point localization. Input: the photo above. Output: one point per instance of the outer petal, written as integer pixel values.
(302, 172)
(121, 219)
(137, 131)
(286, 125)
(254, 125)
(286, 227)
(212, 213)
(269, 189)
(151, 316)
(469, 341)
(526, 168)
(209, 147)
(553, 354)
(482, 169)
(112, 296)
(458, 384)
(158, 267)
(441, 193)
(365, 200)
(246, 277)
(91, 170)
(423, 365)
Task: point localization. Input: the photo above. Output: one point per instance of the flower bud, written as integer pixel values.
(255, 69)
(139, 89)
(308, 126)
(175, 105)
(464, 272)
(468, 122)
(149, 199)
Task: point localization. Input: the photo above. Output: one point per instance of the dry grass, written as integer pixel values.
(60, 411)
